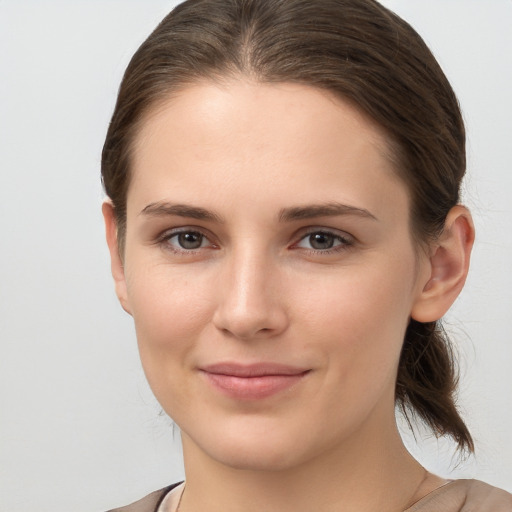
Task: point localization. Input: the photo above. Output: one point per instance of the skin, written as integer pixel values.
(257, 287)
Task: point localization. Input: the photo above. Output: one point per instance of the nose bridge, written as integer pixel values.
(248, 305)
(250, 273)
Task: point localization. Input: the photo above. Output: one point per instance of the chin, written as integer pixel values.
(258, 457)
(255, 446)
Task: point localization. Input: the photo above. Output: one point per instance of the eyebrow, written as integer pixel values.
(163, 209)
(322, 210)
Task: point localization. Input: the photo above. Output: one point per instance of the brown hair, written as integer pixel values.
(359, 51)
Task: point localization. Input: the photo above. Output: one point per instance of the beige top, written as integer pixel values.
(455, 496)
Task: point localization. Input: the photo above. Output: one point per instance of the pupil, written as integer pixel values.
(321, 241)
(190, 240)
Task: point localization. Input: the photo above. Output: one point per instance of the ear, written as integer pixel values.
(116, 261)
(448, 266)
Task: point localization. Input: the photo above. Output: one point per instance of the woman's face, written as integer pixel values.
(270, 271)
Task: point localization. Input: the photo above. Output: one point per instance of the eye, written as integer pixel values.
(323, 241)
(187, 240)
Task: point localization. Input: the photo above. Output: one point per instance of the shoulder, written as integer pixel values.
(465, 496)
(480, 494)
(150, 503)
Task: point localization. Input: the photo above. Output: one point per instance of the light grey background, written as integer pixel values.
(79, 429)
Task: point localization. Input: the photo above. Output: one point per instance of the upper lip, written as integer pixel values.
(252, 370)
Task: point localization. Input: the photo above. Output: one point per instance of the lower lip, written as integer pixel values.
(253, 388)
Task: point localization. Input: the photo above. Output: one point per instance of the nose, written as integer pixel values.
(251, 299)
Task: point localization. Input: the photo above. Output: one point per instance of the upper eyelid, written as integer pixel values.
(329, 231)
(167, 233)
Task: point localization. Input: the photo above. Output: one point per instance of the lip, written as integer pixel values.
(252, 381)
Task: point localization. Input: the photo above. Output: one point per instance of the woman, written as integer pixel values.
(283, 221)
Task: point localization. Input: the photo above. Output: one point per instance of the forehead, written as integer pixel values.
(254, 140)
(226, 111)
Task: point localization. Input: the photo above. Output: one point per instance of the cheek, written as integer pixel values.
(170, 313)
(360, 317)
(169, 310)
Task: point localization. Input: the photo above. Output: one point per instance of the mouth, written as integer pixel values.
(254, 381)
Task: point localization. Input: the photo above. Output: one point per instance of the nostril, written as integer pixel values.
(248, 333)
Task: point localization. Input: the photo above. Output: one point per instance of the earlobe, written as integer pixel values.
(116, 262)
(449, 265)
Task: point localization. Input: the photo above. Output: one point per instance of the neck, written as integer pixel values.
(372, 471)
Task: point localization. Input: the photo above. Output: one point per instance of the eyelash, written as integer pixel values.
(164, 240)
(345, 241)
